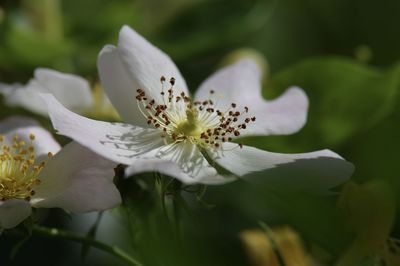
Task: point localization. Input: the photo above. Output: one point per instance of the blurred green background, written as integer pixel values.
(344, 54)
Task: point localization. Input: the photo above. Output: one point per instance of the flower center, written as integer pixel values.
(191, 126)
(18, 170)
(182, 120)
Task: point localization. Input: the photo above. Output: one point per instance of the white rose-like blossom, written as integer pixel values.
(168, 132)
(65, 87)
(75, 178)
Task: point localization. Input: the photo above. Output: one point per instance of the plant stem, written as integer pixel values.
(61, 234)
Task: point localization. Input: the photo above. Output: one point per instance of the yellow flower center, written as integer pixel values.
(191, 126)
(18, 170)
(182, 120)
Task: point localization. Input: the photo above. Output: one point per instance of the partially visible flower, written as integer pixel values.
(282, 244)
(74, 178)
(71, 90)
(169, 132)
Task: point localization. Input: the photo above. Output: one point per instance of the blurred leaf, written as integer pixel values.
(370, 212)
(348, 24)
(27, 48)
(376, 153)
(45, 16)
(226, 23)
(346, 98)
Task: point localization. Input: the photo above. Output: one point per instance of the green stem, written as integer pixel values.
(112, 250)
(161, 191)
(270, 236)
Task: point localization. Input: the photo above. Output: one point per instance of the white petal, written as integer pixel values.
(27, 97)
(23, 127)
(65, 87)
(312, 171)
(183, 161)
(78, 180)
(119, 86)
(13, 212)
(240, 83)
(121, 143)
(285, 115)
(7, 89)
(146, 64)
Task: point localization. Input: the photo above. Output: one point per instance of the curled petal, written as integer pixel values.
(240, 83)
(119, 86)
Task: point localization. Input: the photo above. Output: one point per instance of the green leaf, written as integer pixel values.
(199, 33)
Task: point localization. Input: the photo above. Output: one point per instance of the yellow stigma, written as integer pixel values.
(191, 126)
(18, 171)
(182, 120)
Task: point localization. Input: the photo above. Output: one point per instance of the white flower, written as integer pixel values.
(65, 87)
(167, 131)
(74, 179)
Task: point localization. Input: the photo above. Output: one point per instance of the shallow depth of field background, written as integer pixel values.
(344, 54)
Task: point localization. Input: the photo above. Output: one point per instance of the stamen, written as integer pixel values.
(179, 119)
(18, 171)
